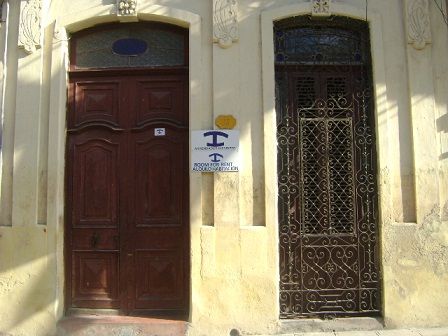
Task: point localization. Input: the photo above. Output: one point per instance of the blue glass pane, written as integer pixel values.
(129, 47)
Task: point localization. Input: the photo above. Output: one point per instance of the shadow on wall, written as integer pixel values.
(442, 127)
(28, 271)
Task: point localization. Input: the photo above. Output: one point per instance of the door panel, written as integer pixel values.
(86, 238)
(96, 102)
(158, 222)
(93, 198)
(127, 233)
(160, 282)
(160, 98)
(95, 182)
(158, 181)
(96, 284)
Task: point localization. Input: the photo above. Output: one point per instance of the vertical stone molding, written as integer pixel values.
(423, 112)
(321, 8)
(418, 23)
(225, 22)
(126, 7)
(30, 25)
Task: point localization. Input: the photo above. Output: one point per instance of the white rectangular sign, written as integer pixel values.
(159, 132)
(215, 150)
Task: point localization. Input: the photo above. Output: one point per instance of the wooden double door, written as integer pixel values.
(127, 194)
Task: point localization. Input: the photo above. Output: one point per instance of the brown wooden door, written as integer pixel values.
(127, 232)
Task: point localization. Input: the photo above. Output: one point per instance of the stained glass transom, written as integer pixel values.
(165, 47)
(315, 42)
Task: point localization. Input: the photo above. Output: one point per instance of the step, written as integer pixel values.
(93, 325)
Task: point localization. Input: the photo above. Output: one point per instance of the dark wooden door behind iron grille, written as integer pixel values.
(327, 192)
(127, 231)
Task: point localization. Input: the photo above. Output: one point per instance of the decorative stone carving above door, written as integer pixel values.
(127, 7)
(127, 10)
(225, 22)
(321, 8)
(418, 23)
(30, 25)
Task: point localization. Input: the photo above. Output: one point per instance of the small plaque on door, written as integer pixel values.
(159, 132)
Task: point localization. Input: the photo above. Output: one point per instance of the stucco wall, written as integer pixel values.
(234, 240)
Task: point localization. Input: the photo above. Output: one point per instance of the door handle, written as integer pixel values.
(95, 240)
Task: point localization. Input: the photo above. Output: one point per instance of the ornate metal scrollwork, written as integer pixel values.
(326, 177)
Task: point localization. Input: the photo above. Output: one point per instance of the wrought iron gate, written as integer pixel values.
(326, 170)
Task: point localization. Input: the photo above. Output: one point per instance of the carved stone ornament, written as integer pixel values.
(127, 7)
(225, 22)
(321, 8)
(30, 25)
(418, 23)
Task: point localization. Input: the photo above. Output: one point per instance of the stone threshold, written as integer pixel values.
(333, 325)
(95, 325)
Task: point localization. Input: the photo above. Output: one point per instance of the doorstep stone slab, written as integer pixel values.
(315, 334)
(359, 333)
(119, 326)
(334, 325)
(383, 332)
(400, 332)
(434, 332)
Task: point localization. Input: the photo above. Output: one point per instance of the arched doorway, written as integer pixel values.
(327, 203)
(127, 186)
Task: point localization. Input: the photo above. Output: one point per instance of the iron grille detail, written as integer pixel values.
(327, 183)
(327, 175)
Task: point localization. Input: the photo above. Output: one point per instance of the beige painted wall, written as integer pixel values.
(234, 244)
